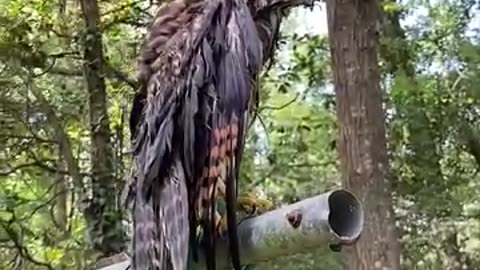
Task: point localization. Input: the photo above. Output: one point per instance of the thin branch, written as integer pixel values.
(119, 75)
(127, 21)
(65, 72)
(121, 7)
(290, 102)
(24, 137)
(17, 168)
(59, 133)
(22, 250)
(44, 204)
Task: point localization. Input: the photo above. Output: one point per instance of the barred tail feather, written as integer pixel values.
(161, 224)
(238, 71)
(237, 54)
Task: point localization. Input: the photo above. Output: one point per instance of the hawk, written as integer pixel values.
(198, 72)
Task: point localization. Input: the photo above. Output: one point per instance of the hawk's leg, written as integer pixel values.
(221, 224)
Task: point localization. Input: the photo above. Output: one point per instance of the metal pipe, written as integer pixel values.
(334, 217)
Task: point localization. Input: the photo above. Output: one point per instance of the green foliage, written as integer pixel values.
(433, 135)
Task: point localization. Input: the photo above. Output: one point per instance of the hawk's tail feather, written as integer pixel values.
(212, 174)
(239, 59)
(233, 143)
(162, 223)
(218, 178)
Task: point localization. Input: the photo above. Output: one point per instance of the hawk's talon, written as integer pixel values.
(253, 206)
(245, 218)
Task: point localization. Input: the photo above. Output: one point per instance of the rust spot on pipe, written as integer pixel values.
(295, 218)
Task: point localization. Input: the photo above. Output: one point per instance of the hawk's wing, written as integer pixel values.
(162, 157)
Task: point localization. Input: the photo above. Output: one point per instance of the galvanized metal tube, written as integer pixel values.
(335, 217)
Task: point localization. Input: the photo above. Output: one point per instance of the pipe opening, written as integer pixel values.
(346, 215)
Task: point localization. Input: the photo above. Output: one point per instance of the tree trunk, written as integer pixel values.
(102, 216)
(361, 123)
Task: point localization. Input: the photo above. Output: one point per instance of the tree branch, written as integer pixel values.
(258, 6)
(16, 168)
(60, 135)
(22, 250)
(114, 73)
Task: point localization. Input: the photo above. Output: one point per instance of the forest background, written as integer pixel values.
(64, 139)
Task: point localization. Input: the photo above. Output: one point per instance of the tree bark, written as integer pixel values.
(61, 193)
(102, 216)
(361, 122)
